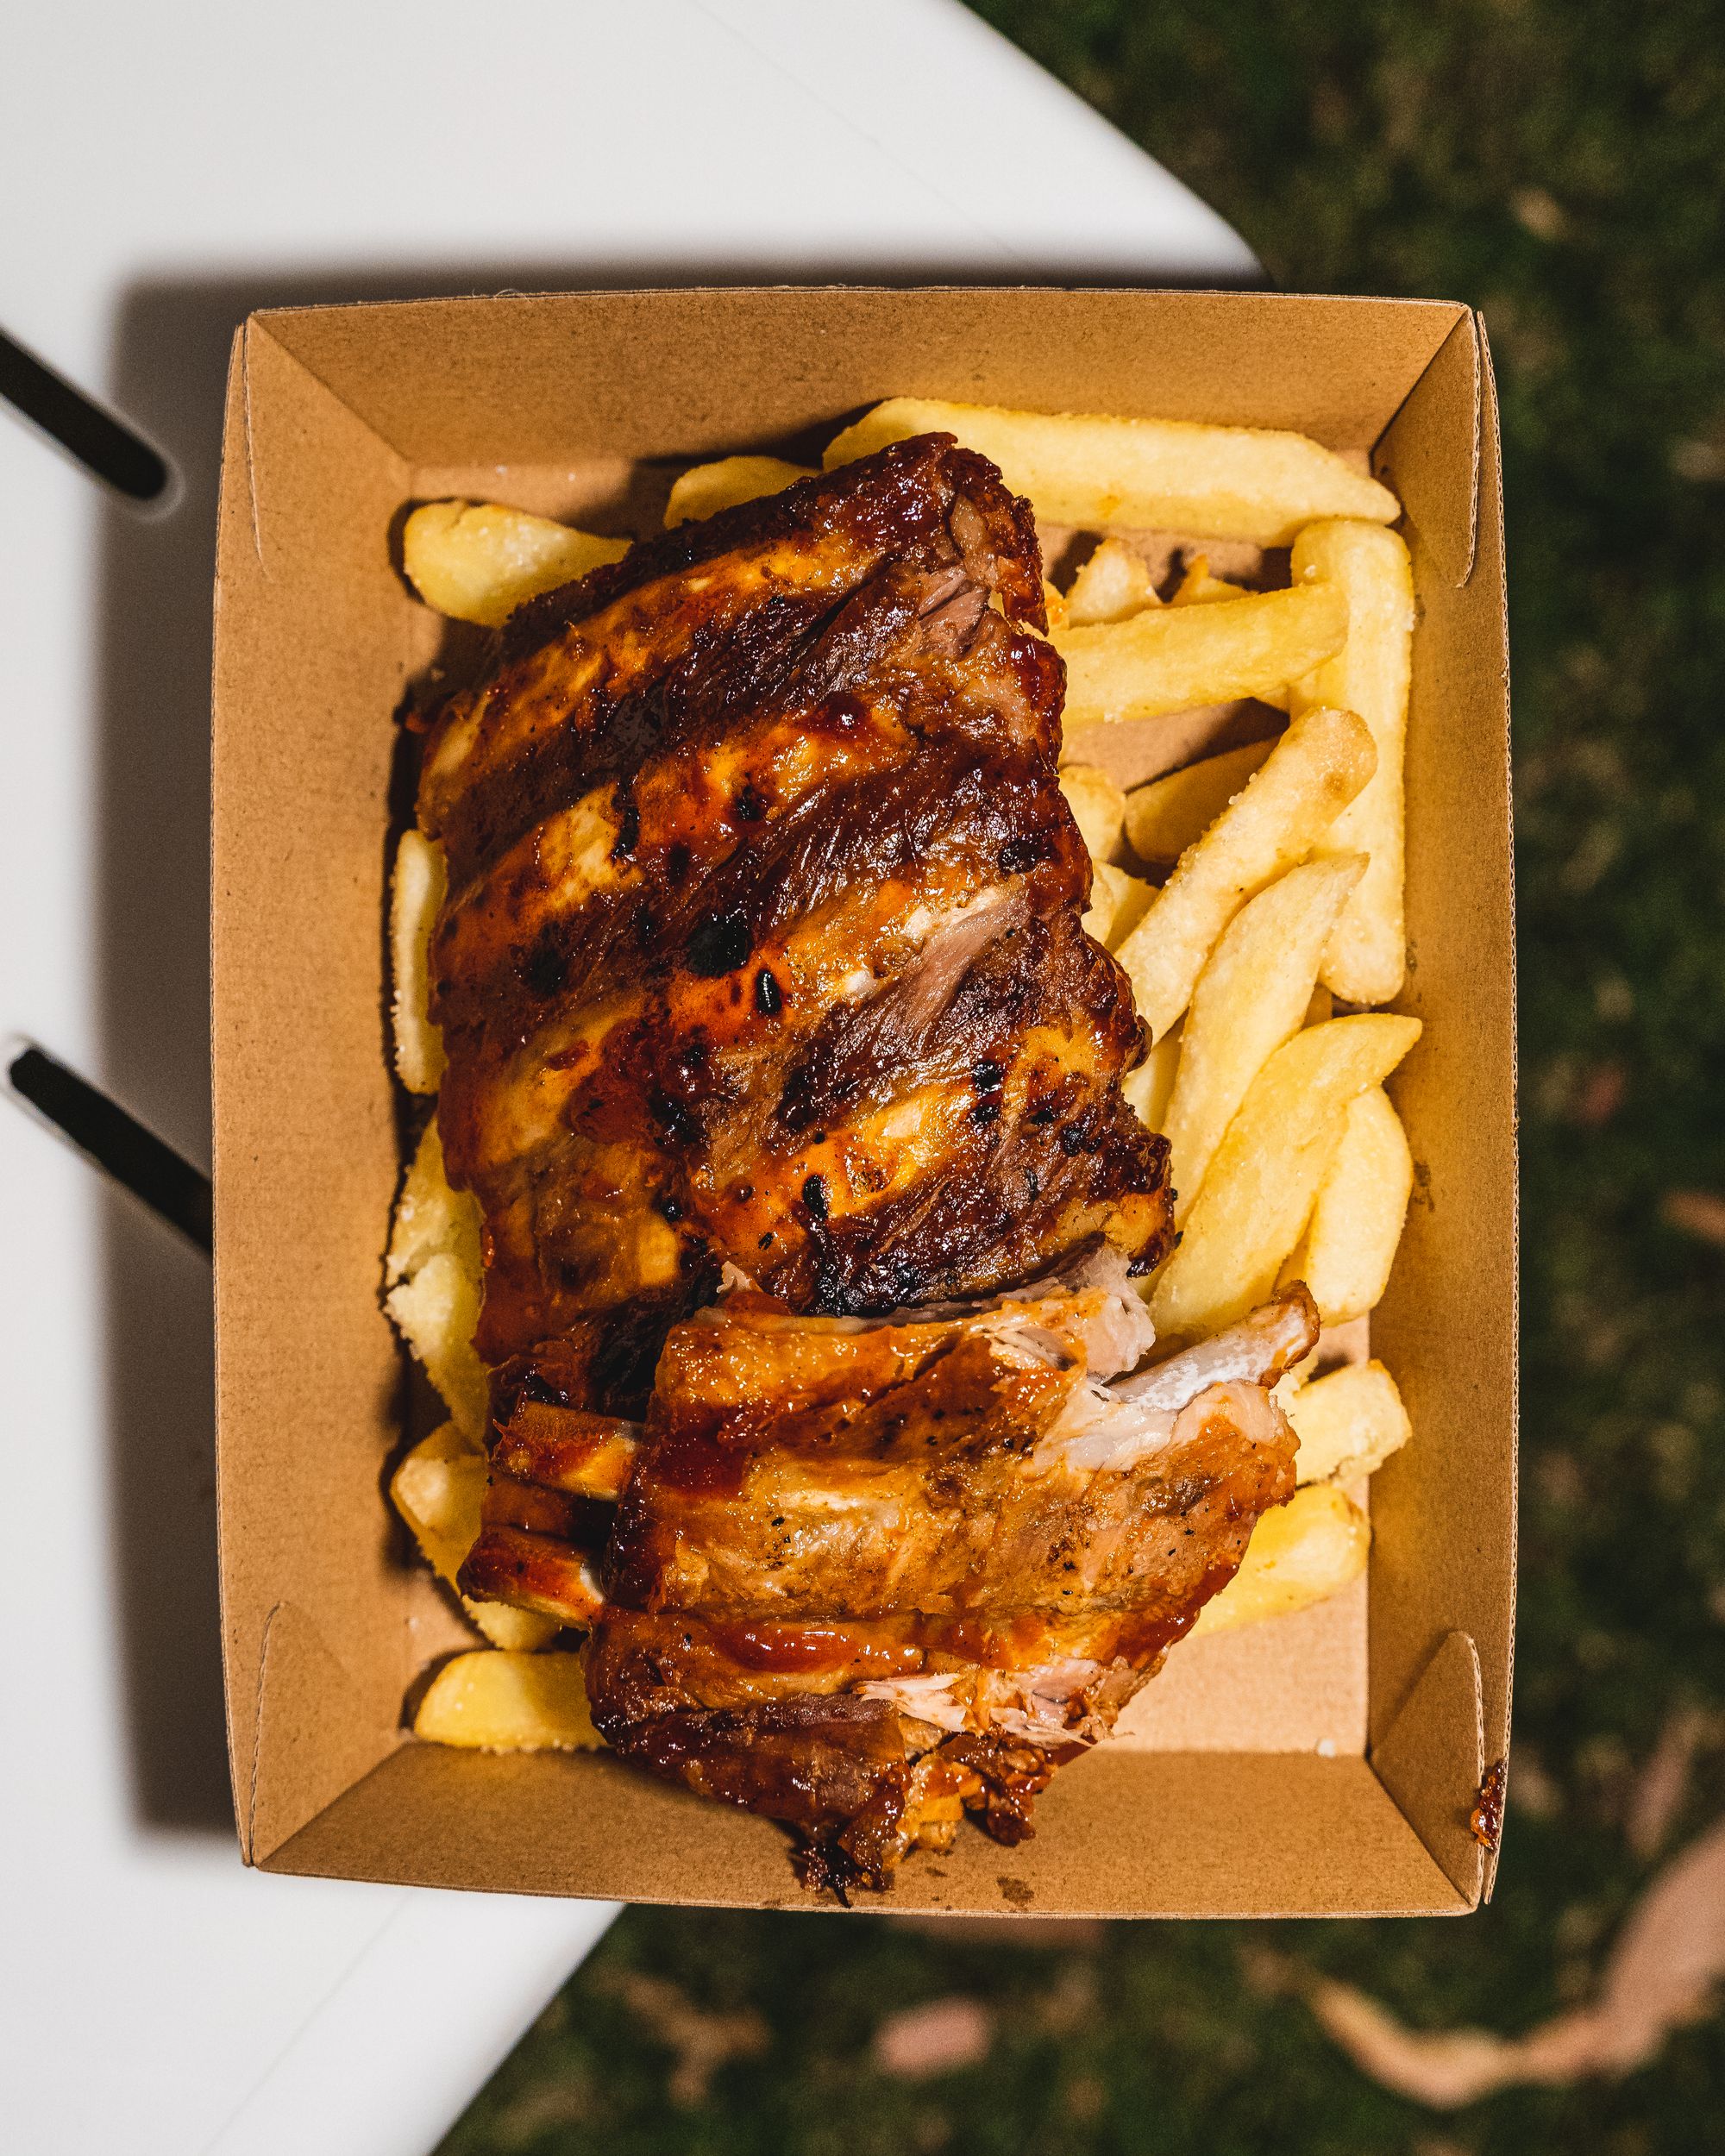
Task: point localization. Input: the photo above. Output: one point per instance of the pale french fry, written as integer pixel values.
(706, 488)
(509, 1703)
(1198, 587)
(1149, 1088)
(1252, 996)
(1170, 658)
(1370, 675)
(1141, 474)
(1113, 585)
(438, 1490)
(1313, 771)
(1108, 886)
(1348, 1424)
(1299, 1553)
(1098, 804)
(432, 1272)
(1132, 897)
(1264, 1176)
(1348, 1245)
(416, 892)
(1165, 816)
(478, 562)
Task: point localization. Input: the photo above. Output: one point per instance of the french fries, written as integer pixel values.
(1316, 767)
(1148, 1088)
(1198, 587)
(1165, 816)
(438, 1489)
(478, 561)
(1097, 804)
(1172, 658)
(1141, 474)
(1348, 1424)
(1370, 675)
(706, 488)
(1108, 886)
(1299, 1553)
(1252, 996)
(509, 1703)
(1348, 1245)
(1113, 585)
(1264, 1176)
(416, 892)
(432, 1277)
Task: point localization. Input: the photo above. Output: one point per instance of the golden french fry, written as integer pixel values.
(1313, 771)
(509, 1703)
(1321, 1006)
(1252, 996)
(1098, 804)
(416, 892)
(1299, 1553)
(1348, 1424)
(706, 488)
(1132, 899)
(1108, 886)
(1266, 1175)
(1054, 600)
(1113, 585)
(1141, 474)
(432, 1274)
(1348, 1245)
(478, 562)
(1370, 675)
(1198, 587)
(1163, 817)
(438, 1490)
(1170, 658)
(1149, 1088)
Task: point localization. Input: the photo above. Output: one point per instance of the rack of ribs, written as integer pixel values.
(778, 1060)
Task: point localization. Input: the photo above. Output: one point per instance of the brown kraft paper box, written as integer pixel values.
(1324, 1764)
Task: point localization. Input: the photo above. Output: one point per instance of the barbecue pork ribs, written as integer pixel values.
(762, 968)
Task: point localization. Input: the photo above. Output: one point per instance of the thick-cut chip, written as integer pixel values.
(416, 893)
(1164, 818)
(478, 562)
(1098, 804)
(1313, 771)
(1172, 658)
(1133, 897)
(1108, 886)
(1348, 1245)
(433, 1275)
(1113, 585)
(509, 1703)
(1252, 996)
(706, 488)
(1198, 587)
(1348, 1424)
(1370, 675)
(1322, 1006)
(1141, 474)
(1150, 1087)
(1299, 1553)
(1266, 1172)
(438, 1489)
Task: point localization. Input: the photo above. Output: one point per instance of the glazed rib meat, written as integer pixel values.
(761, 942)
(867, 1574)
(788, 1084)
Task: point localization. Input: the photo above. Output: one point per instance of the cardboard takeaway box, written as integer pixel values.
(1324, 1764)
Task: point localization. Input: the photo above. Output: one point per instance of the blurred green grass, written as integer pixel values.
(1559, 166)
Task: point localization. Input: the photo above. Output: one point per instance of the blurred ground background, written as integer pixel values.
(1560, 166)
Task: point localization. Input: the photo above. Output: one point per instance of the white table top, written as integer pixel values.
(165, 168)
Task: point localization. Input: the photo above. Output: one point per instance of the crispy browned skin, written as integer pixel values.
(761, 941)
(864, 1579)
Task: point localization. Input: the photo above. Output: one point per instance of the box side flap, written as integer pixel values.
(1417, 456)
(1444, 1509)
(533, 380)
(1118, 1834)
(308, 628)
(1431, 1760)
